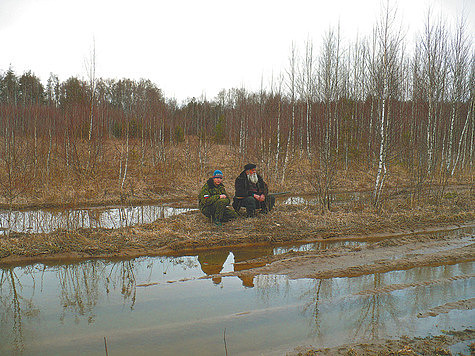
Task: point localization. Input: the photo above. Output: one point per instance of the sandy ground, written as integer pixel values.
(428, 247)
(433, 345)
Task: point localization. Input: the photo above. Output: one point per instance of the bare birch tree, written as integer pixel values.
(385, 76)
(459, 72)
(434, 71)
(291, 75)
(91, 73)
(307, 88)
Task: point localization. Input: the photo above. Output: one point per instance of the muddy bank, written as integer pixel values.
(192, 232)
(400, 253)
(432, 345)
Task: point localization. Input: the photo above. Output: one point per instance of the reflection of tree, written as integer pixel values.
(13, 308)
(320, 289)
(370, 313)
(372, 319)
(79, 289)
(313, 304)
(271, 286)
(80, 285)
(124, 277)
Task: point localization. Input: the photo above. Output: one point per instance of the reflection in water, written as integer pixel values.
(243, 260)
(67, 309)
(14, 308)
(335, 197)
(211, 262)
(44, 221)
(375, 313)
(79, 290)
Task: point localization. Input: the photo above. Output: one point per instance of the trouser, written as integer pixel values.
(218, 211)
(251, 204)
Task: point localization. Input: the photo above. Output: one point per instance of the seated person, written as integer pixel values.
(252, 192)
(213, 200)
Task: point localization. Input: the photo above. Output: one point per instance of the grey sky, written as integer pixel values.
(188, 47)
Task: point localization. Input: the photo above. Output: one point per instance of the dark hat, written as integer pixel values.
(217, 174)
(249, 166)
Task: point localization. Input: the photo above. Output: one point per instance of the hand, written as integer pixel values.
(262, 197)
(257, 197)
(222, 196)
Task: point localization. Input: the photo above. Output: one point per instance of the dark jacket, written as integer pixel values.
(210, 193)
(242, 186)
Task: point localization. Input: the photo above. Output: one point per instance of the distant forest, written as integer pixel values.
(367, 103)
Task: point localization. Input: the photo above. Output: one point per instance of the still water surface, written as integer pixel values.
(161, 306)
(48, 220)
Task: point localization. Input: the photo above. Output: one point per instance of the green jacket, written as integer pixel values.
(210, 194)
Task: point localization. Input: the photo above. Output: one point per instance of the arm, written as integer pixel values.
(205, 196)
(262, 186)
(241, 188)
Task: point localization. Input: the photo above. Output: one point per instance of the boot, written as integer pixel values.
(250, 213)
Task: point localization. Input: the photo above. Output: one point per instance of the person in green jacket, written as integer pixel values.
(213, 200)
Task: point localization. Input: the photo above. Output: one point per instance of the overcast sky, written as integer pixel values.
(188, 47)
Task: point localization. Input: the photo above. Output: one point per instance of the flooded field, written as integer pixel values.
(163, 305)
(48, 220)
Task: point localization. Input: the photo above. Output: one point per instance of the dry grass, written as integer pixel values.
(191, 231)
(179, 179)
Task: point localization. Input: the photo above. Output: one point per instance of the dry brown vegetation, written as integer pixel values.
(180, 176)
(286, 224)
(431, 345)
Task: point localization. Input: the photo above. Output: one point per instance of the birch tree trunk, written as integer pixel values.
(291, 77)
(386, 78)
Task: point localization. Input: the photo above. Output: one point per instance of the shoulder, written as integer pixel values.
(242, 176)
(209, 184)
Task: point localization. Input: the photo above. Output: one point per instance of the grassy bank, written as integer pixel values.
(180, 170)
(192, 231)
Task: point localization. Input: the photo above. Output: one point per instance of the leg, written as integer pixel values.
(229, 214)
(209, 211)
(269, 203)
(250, 204)
(220, 209)
(236, 204)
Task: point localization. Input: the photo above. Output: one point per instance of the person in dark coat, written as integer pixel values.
(213, 200)
(252, 192)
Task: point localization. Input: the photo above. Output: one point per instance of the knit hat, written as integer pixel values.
(217, 174)
(249, 166)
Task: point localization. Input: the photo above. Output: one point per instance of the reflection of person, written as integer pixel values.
(212, 263)
(241, 256)
(213, 200)
(252, 192)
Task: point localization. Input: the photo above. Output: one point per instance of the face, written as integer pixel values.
(252, 176)
(217, 180)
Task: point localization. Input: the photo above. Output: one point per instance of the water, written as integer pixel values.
(45, 221)
(161, 306)
(335, 197)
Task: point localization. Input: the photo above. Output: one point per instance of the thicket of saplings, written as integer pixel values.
(366, 115)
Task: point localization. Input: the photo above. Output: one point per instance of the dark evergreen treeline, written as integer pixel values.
(368, 103)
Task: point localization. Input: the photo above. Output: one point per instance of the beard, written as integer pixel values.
(253, 178)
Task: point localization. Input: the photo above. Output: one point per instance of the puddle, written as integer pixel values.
(336, 198)
(160, 306)
(44, 221)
